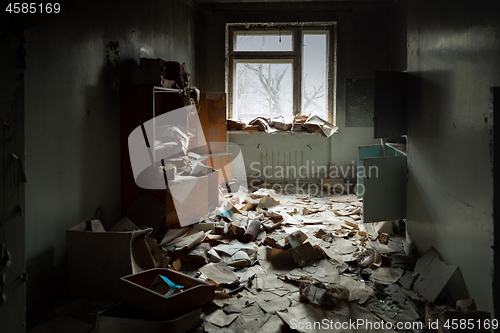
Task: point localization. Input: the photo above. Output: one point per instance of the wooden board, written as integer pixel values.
(212, 115)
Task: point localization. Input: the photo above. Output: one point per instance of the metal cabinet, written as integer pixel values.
(382, 169)
(382, 182)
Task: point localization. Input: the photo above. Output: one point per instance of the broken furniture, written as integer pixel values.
(138, 105)
(207, 136)
(135, 290)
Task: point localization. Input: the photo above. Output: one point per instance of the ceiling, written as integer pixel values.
(271, 1)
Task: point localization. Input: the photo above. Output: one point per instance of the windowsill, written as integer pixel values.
(297, 134)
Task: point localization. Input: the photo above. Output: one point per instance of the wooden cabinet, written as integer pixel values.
(139, 104)
(213, 146)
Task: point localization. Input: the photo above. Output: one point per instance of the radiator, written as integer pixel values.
(287, 165)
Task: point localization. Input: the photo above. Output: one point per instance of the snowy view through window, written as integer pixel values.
(263, 85)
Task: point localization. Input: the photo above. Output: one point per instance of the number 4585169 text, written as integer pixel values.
(33, 8)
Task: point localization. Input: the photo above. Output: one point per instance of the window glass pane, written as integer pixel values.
(314, 69)
(262, 89)
(263, 41)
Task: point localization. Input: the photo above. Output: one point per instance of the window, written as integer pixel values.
(280, 70)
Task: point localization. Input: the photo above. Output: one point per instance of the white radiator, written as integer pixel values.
(288, 165)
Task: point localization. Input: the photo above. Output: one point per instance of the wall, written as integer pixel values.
(453, 54)
(399, 41)
(12, 199)
(363, 46)
(72, 117)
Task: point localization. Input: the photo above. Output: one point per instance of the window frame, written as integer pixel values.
(298, 30)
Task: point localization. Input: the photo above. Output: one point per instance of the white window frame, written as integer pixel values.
(298, 30)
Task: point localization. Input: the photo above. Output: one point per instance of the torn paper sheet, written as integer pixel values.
(272, 325)
(220, 319)
(183, 238)
(346, 212)
(219, 273)
(234, 124)
(343, 246)
(237, 305)
(245, 274)
(267, 282)
(305, 313)
(270, 204)
(276, 240)
(321, 270)
(252, 319)
(263, 125)
(289, 219)
(237, 254)
(315, 123)
(296, 238)
(387, 275)
(278, 304)
(325, 295)
(312, 221)
(304, 253)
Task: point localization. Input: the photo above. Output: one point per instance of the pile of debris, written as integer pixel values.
(310, 124)
(260, 261)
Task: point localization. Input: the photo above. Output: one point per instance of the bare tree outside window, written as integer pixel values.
(268, 67)
(263, 89)
(314, 69)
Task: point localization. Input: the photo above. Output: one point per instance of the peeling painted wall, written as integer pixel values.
(453, 51)
(74, 63)
(363, 46)
(12, 179)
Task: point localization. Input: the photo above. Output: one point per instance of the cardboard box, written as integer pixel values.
(135, 291)
(193, 198)
(99, 258)
(125, 318)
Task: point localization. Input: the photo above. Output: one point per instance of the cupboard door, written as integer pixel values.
(364, 152)
(384, 180)
(390, 104)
